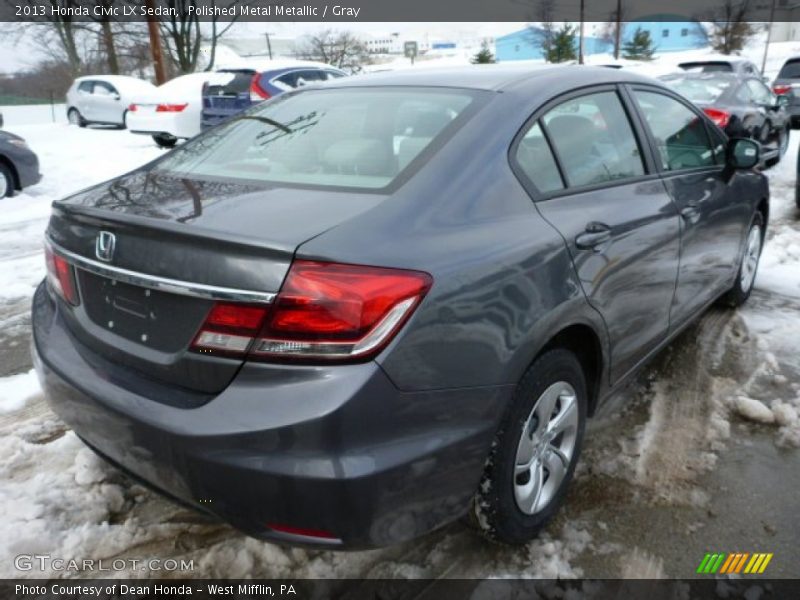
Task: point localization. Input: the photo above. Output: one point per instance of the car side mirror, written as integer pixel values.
(743, 153)
(782, 100)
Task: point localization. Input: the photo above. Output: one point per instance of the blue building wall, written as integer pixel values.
(668, 36)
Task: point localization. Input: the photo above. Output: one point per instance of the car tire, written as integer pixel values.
(514, 502)
(124, 124)
(748, 266)
(6, 181)
(165, 141)
(782, 143)
(74, 117)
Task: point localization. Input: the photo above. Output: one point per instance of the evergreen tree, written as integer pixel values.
(562, 48)
(484, 56)
(639, 47)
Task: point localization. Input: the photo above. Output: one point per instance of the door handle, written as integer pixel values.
(690, 211)
(594, 235)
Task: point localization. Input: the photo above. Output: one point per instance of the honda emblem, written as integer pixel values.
(104, 246)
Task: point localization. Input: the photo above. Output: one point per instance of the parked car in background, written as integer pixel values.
(19, 165)
(255, 83)
(171, 111)
(740, 106)
(293, 321)
(103, 99)
(722, 64)
(787, 84)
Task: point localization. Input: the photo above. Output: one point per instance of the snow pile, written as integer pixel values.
(754, 410)
(16, 390)
(779, 271)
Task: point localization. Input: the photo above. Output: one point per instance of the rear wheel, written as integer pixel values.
(74, 117)
(535, 451)
(748, 267)
(6, 181)
(165, 141)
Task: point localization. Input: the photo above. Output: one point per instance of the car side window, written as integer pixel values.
(288, 79)
(86, 87)
(309, 76)
(593, 140)
(103, 89)
(760, 92)
(334, 74)
(680, 134)
(534, 157)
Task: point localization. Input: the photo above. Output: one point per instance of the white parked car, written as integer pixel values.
(103, 99)
(171, 111)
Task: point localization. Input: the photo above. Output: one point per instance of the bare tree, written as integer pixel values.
(730, 29)
(614, 29)
(543, 34)
(341, 49)
(183, 35)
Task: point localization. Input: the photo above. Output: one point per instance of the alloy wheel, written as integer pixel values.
(546, 448)
(752, 253)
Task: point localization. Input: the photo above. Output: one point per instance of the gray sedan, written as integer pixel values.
(353, 314)
(19, 165)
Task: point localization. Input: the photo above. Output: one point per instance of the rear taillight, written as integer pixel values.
(61, 276)
(132, 108)
(720, 117)
(229, 329)
(339, 312)
(324, 311)
(781, 89)
(257, 93)
(170, 107)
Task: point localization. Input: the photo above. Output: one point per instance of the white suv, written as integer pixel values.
(103, 98)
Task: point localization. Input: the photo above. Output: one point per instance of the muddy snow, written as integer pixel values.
(698, 452)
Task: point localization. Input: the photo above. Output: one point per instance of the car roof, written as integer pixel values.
(276, 65)
(119, 81)
(499, 77)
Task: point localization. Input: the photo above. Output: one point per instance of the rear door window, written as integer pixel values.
(86, 87)
(761, 93)
(680, 134)
(535, 159)
(594, 140)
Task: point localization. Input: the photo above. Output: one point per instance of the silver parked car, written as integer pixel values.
(103, 99)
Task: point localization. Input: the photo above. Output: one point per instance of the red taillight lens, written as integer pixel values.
(720, 117)
(60, 276)
(324, 311)
(132, 108)
(781, 89)
(229, 328)
(257, 93)
(340, 312)
(170, 107)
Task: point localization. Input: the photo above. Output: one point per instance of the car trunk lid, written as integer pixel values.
(180, 245)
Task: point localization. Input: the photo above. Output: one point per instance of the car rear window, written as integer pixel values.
(791, 70)
(700, 90)
(707, 67)
(351, 138)
(236, 82)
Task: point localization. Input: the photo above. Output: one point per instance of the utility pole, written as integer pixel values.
(769, 36)
(580, 40)
(269, 45)
(618, 30)
(155, 44)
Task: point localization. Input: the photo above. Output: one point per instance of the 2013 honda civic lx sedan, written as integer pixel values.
(353, 314)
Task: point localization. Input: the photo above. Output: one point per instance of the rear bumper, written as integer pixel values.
(332, 449)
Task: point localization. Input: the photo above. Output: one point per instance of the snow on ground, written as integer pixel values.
(63, 500)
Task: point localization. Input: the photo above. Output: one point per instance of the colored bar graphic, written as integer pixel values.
(764, 564)
(703, 563)
(736, 562)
